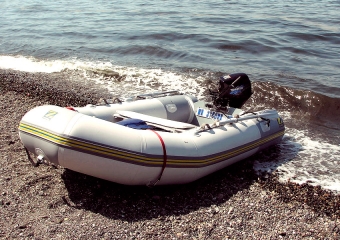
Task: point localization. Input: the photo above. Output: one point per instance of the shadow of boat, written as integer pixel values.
(135, 203)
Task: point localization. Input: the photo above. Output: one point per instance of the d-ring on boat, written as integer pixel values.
(160, 138)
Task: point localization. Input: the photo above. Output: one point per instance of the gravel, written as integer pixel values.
(49, 202)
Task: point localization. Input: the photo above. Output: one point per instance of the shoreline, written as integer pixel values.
(47, 202)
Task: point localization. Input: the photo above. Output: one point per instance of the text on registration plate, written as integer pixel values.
(209, 114)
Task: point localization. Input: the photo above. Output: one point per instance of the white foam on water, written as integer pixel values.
(131, 80)
(302, 159)
(30, 64)
(140, 80)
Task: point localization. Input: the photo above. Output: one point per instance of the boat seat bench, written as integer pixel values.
(156, 120)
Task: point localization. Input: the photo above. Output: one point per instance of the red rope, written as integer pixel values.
(164, 155)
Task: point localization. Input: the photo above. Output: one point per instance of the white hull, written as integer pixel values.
(90, 141)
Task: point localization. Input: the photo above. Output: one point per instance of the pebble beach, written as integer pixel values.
(50, 202)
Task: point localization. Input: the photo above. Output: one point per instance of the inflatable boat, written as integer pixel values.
(159, 138)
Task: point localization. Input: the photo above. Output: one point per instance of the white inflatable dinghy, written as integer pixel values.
(160, 138)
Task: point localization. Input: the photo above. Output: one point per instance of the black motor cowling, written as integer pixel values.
(233, 91)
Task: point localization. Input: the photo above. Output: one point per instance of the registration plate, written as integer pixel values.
(206, 113)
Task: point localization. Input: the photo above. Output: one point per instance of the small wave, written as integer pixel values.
(302, 159)
(308, 105)
(308, 36)
(169, 37)
(158, 51)
(311, 23)
(260, 46)
(127, 81)
(119, 80)
(30, 64)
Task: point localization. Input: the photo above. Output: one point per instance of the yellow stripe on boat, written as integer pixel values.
(95, 149)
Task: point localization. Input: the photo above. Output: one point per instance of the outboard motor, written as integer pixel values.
(233, 91)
